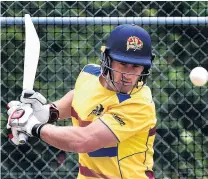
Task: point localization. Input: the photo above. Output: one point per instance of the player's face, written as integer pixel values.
(125, 75)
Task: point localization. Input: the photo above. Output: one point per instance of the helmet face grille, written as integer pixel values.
(108, 74)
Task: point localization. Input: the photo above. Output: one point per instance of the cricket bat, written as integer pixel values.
(32, 52)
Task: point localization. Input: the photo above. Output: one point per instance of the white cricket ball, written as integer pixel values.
(199, 76)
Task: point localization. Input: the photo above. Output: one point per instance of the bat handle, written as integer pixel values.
(22, 138)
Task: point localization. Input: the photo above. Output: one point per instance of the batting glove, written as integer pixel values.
(42, 111)
(22, 120)
(45, 113)
(13, 134)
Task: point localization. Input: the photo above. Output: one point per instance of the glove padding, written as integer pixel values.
(23, 120)
(37, 101)
(42, 111)
(13, 133)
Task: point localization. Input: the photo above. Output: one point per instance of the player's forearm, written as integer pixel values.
(64, 105)
(65, 138)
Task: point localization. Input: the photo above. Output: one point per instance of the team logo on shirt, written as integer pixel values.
(98, 110)
(134, 43)
(121, 122)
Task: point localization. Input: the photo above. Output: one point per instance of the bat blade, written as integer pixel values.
(32, 52)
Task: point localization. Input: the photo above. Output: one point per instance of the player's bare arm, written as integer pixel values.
(78, 139)
(64, 105)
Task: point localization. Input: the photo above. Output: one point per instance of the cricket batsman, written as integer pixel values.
(111, 107)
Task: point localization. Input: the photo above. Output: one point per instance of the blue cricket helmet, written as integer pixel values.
(130, 44)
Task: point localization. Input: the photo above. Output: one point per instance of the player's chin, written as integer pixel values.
(125, 89)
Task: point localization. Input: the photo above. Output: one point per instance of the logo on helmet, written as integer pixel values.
(134, 43)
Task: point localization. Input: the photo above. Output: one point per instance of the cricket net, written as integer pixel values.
(181, 146)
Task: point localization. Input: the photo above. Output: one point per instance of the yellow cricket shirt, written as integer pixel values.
(131, 118)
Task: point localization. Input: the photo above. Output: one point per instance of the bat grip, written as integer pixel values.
(22, 138)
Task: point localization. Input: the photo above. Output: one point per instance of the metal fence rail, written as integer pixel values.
(71, 34)
(108, 20)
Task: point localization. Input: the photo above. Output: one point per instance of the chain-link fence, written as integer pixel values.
(181, 146)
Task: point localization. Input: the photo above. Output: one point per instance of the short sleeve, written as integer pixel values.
(87, 72)
(131, 119)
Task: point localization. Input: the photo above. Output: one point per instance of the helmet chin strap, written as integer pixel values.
(111, 75)
(110, 80)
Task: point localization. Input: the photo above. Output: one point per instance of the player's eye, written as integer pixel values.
(123, 64)
(136, 66)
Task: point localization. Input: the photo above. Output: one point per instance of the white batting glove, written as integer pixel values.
(13, 134)
(45, 113)
(42, 111)
(23, 121)
(12, 106)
